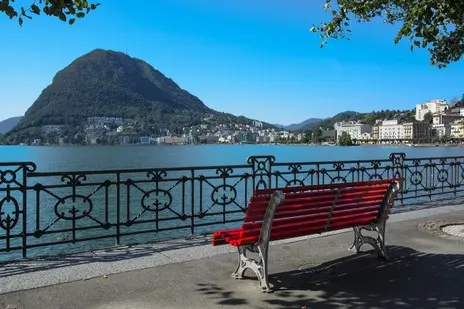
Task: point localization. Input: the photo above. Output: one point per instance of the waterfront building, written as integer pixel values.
(445, 118)
(417, 130)
(391, 130)
(441, 130)
(144, 140)
(326, 134)
(457, 129)
(354, 129)
(433, 106)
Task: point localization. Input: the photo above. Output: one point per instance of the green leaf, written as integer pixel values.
(62, 16)
(80, 15)
(72, 21)
(35, 9)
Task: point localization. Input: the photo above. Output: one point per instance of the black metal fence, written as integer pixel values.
(53, 212)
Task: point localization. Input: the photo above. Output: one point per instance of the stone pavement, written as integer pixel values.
(426, 271)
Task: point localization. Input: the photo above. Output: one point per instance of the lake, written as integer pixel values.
(194, 204)
(61, 158)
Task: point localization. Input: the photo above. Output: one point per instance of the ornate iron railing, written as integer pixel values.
(51, 212)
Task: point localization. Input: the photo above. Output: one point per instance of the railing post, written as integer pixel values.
(192, 202)
(24, 193)
(397, 160)
(118, 208)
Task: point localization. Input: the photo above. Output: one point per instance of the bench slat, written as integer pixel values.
(289, 222)
(303, 229)
(313, 200)
(257, 214)
(327, 186)
(323, 211)
(263, 199)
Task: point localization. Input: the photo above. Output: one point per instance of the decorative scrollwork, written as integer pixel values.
(375, 177)
(224, 171)
(397, 158)
(162, 199)
(338, 179)
(220, 195)
(294, 168)
(261, 163)
(338, 166)
(73, 179)
(7, 176)
(9, 219)
(416, 162)
(294, 182)
(81, 206)
(29, 167)
(416, 178)
(157, 175)
(376, 164)
(442, 175)
(254, 159)
(261, 184)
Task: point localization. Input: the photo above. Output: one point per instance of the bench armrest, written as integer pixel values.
(388, 201)
(265, 234)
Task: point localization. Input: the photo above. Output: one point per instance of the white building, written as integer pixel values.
(458, 111)
(257, 124)
(442, 118)
(391, 130)
(272, 138)
(433, 106)
(355, 130)
(441, 129)
(366, 136)
(457, 129)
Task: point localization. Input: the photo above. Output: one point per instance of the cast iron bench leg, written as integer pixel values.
(378, 243)
(258, 267)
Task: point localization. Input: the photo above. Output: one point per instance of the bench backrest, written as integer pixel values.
(308, 210)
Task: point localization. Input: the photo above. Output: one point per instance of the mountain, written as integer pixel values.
(369, 118)
(8, 124)
(113, 84)
(305, 125)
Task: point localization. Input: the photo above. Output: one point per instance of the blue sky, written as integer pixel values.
(253, 58)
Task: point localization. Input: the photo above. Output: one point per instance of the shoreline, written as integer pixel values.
(250, 144)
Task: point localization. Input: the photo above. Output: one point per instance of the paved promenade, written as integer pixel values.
(426, 271)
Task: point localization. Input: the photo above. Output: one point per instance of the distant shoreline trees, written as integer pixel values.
(344, 139)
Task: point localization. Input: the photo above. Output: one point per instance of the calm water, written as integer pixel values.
(135, 157)
(119, 157)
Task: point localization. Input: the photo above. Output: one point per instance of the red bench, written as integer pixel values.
(282, 213)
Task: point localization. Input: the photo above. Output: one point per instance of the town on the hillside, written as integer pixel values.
(436, 121)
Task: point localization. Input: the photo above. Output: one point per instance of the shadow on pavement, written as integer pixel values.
(411, 279)
(98, 256)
